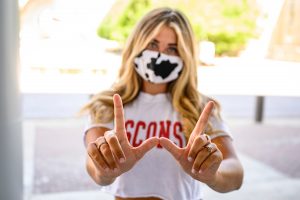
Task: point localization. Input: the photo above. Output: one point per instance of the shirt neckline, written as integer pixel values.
(160, 97)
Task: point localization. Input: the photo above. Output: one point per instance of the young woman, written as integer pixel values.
(168, 139)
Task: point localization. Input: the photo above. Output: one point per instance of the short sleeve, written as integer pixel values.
(89, 125)
(219, 128)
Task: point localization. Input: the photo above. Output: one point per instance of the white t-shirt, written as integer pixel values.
(157, 174)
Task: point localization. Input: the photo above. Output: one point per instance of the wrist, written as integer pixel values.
(212, 183)
(104, 180)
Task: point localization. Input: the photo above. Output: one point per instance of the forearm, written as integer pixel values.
(92, 171)
(229, 176)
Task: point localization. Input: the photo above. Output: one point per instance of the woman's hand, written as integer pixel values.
(200, 158)
(112, 153)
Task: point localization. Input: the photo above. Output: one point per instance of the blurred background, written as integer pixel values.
(249, 60)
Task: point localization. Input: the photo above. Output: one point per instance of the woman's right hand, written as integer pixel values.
(116, 155)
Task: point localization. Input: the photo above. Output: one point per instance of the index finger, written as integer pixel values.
(119, 115)
(203, 119)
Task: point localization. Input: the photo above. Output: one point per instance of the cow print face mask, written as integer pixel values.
(157, 67)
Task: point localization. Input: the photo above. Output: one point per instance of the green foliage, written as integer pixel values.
(228, 44)
(231, 29)
(199, 31)
(119, 29)
(227, 23)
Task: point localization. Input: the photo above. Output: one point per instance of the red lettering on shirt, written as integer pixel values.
(129, 124)
(177, 130)
(139, 131)
(151, 130)
(164, 130)
(139, 127)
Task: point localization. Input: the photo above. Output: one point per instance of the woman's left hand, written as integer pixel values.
(200, 158)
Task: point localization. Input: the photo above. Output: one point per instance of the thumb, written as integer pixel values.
(171, 147)
(146, 146)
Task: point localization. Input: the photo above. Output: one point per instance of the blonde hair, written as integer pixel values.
(186, 100)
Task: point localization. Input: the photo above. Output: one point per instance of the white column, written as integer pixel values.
(11, 168)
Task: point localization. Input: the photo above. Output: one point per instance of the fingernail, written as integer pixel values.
(106, 170)
(193, 171)
(190, 159)
(115, 170)
(110, 133)
(122, 160)
(200, 171)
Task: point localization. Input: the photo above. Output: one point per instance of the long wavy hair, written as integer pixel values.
(186, 99)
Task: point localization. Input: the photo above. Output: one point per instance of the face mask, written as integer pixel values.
(157, 67)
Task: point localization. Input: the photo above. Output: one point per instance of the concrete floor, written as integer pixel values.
(54, 160)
